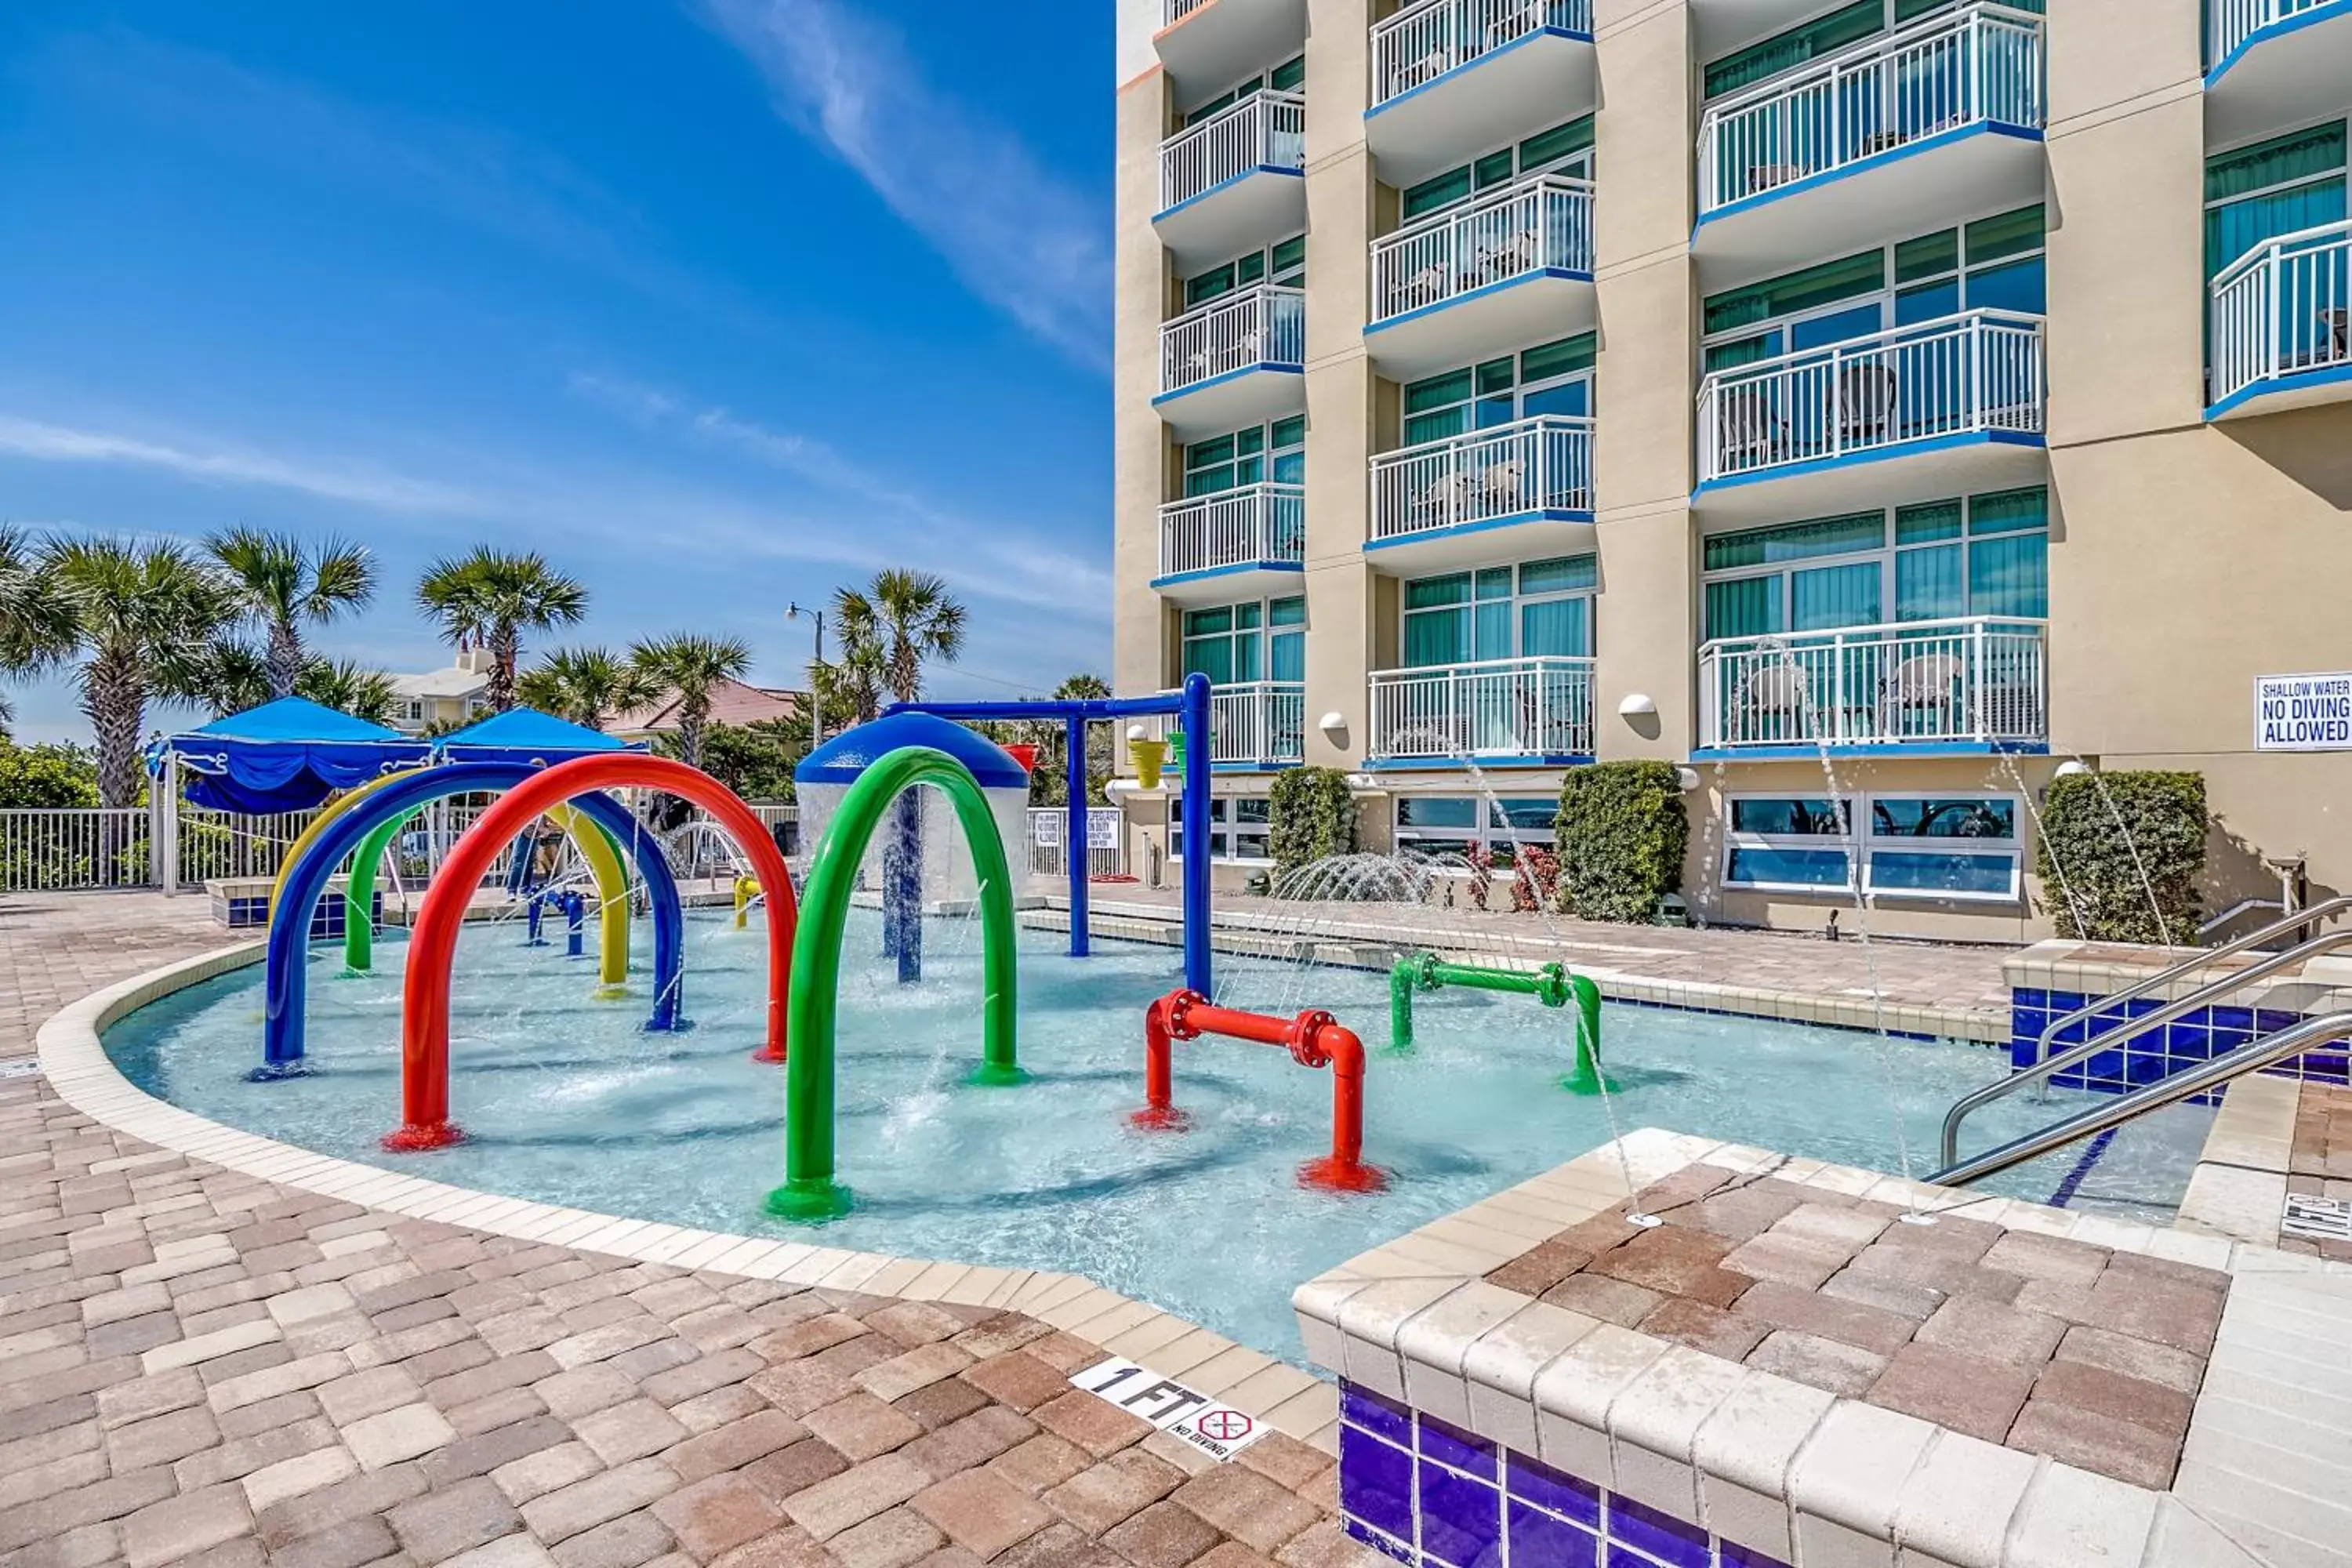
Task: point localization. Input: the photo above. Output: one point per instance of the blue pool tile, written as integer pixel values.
(1539, 1539)
(1378, 1542)
(1376, 1482)
(1460, 1520)
(1563, 1494)
(1450, 1444)
(2239, 1018)
(1376, 1413)
(1660, 1535)
(1744, 1557)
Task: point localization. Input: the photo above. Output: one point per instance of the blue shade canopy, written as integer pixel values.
(841, 759)
(527, 736)
(287, 756)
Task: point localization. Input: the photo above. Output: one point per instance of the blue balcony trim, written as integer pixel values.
(2300, 381)
(1456, 530)
(2341, 10)
(1262, 765)
(1872, 455)
(1547, 31)
(1484, 760)
(1269, 367)
(1205, 573)
(1562, 273)
(1806, 754)
(1226, 185)
(1846, 171)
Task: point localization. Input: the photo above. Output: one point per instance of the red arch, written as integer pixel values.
(424, 1027)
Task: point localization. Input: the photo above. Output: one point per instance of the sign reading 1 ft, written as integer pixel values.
(1216, 1429)
(2302, 712)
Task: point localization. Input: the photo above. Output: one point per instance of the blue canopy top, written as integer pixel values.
(287, 756)
(528, 736)
(849, 754)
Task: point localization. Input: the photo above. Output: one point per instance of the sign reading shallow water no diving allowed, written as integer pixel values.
(2302, 712)
(1217, 1429)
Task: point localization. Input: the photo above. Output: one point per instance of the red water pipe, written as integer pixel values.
(1313, 1038)
(424, 1002)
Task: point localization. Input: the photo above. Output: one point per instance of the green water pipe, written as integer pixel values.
(1552, 985)
(809, 1192)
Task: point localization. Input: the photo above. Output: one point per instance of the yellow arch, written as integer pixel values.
(612, 893)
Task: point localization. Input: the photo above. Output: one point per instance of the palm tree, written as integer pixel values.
(34, 622)
(230, 676)
(692, 666)
(491, 599)
(855, 680)
(1082, 688)
(585, 685)
(349, 686)
(282, 585)
(904, 619)
(144, 616)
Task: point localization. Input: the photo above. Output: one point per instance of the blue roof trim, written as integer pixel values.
(1484, 760)
(1274, 366)
(1561, 274)
(1874, 455)
(2300, 381)
(845, 758)
(1227, 183)
(1444, 76)
(2261, 36)
(1793, 754)
(1879, 159)
(1485, 525)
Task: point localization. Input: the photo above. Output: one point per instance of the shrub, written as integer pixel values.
(45, 776)
(1535, 884)
(2109, 840)
(1621, 834)
(1311, 817)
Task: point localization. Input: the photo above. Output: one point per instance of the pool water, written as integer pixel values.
(565, 1100)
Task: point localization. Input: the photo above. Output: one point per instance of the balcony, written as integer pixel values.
(2276, 64)
(1243, 543)
(2282, 324)
(1933, 409)
(1438, 505)
(1206, 46)
(1236, 181)
(1238, 360)
(1531, 713)
(1974, 685)
(1254, 726)
(1454, 78)
(1510, 268)
(1878, 142)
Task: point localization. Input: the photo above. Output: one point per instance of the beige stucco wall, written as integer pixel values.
(1139, 441)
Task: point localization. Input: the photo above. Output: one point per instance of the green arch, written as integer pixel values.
(809, 1192)
(598, 846)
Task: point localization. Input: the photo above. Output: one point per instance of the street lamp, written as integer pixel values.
(793, 611)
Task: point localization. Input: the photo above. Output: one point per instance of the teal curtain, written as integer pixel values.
(1289, 657)
(2232, 230)
(1436, 636)
(1929, 585)
(1561, 628)
(1212, 657)
(1747, 607)
(1827, 597)
(2009, 576)
(1491, 631)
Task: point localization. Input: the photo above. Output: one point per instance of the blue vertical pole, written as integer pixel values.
(910, 894)
(1196, 834)
(1074, 829)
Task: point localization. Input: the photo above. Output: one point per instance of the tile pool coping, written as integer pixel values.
(73, 1058)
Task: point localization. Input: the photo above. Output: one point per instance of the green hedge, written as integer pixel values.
(2111, 840)
(1312, 817)
(1621, 833)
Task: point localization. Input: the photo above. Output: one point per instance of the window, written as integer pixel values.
(2280, 186)
(1822, 36)
(1240, 828)
(1445, 825)
(1564, 149)
(413, 709)
(1290, 76)
(1550, 378)
(1276, 451)
(1993, 264)
(1954, 846)
(1283, 263)
(1986, 556)
(1536, 608)
(1236, 644)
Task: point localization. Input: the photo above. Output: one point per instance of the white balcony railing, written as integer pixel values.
(1250, 721)
(1982, 679)
(1493, 707)
(1982, 63)
(1542, 221)
(1175, 11)
(1543, 464)
(1234, 528)
(1964, 374)
(1265, 130)
(1422, 42)
(1261, 326)
(2235, 21)
(2283, 309)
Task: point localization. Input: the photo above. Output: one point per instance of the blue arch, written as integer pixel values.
(287, 984)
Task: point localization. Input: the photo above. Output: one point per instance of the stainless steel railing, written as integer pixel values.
(2252, 1056)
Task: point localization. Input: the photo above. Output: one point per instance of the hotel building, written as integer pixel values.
(1934, 394)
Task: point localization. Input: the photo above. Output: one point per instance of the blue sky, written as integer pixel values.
(719, 303)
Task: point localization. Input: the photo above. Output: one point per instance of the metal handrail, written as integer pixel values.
(2045, 1064)
(2252, 1056)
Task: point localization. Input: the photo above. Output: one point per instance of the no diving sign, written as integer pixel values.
(1216, 1429)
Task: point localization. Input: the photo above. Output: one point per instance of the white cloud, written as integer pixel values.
(1020, 236)
(360, 484)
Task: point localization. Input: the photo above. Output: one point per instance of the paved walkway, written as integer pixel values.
(200, 1367)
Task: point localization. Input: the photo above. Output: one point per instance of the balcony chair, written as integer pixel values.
(1213, 362)
(1420, 72)
(1519, 22)
(1862, 403)
(2338, 326)
(1762, 177)
(1426, 287)
(1752, 433)
(1442, 500)
(1511, 254)
(1771, 702)
(1502, 491)
(1931, 683)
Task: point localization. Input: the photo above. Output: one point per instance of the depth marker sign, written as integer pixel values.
(1217, 1429)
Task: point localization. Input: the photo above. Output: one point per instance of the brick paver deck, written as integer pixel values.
(204, 1368)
